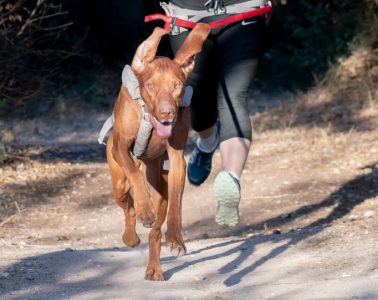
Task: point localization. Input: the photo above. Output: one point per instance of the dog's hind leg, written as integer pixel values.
(157, 184)
(123, 198)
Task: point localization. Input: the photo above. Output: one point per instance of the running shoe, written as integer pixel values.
(227, 195)
(200, 162)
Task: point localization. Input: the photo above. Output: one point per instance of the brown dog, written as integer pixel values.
(147, 193)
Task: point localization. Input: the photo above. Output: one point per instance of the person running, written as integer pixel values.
(223, 74)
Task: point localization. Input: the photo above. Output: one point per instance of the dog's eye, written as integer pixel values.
(177, 85)
(149, 85)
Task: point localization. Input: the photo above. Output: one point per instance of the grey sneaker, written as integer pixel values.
(227, 195)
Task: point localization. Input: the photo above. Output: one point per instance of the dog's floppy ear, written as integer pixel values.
(147, 50)
(191, 46)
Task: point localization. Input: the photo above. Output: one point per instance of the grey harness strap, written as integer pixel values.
(105, 129)
(130, 81)
(144, 132)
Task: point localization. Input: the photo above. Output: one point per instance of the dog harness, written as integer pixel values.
(130, 81)
(179, 19)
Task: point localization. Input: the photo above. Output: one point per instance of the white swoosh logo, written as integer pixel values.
(247, 23)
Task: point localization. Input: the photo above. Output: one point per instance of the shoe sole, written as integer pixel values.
(227, 195)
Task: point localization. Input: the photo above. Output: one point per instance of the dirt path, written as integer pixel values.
(309, 221)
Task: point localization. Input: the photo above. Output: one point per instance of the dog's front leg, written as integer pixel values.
(157, 183)
(142, 203)
(176, 183)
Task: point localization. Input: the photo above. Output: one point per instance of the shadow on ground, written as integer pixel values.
(59, 188)
(348, 196)
(74, 153)
(73, 272)
(66, 273)
(344, 199)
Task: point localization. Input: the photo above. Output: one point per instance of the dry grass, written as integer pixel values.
(327, 137)
(347, 98)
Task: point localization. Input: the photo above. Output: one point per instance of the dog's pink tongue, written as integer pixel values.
(162, 130)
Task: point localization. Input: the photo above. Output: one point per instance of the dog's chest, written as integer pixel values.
(155, 148)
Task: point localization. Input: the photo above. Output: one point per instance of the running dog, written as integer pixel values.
(141, 187)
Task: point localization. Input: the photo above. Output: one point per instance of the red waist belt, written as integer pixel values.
(171, 21)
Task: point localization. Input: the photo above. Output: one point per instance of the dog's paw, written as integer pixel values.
(130, 239)
(175, 245)
(154, 274)
(145, 214)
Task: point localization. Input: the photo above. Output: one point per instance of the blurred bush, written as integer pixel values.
(308, 36)
(52, 47)
(107, 34)
(32, 49)
(76, 49)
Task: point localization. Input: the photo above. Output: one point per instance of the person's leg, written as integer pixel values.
(239, 47)
(236, 132)
(234, 153)
(235, 136)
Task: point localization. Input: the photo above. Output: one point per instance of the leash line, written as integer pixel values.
(171, 21)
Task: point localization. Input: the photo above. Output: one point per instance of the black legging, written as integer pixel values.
(222, 75)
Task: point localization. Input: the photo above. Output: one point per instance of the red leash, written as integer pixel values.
(170, 21)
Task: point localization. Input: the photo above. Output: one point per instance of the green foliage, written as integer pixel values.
(307, 36)
(312, 43)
